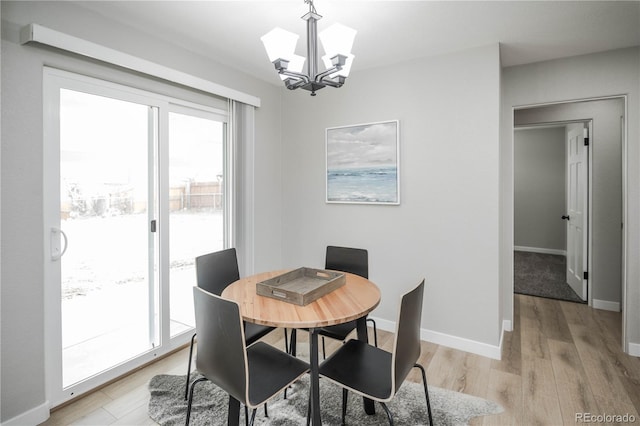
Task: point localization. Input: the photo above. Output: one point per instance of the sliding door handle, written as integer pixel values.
(56, 250)
(565, 217)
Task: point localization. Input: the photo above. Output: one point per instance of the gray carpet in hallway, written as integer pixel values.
(543, 275)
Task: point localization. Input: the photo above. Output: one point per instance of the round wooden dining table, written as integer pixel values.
(352, 301)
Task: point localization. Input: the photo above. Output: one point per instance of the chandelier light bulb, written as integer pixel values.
(337, 39)
(280, 44)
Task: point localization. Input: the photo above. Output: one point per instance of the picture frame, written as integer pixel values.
(363, 163)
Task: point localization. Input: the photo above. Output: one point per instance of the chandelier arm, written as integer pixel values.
(303, 77)
(332, 83)
(321, 76)
(292, 85)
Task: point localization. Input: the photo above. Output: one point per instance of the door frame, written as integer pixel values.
(624, 302)
(589, 242)
(53, 79)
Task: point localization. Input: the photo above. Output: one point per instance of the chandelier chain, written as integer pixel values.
(312, 8)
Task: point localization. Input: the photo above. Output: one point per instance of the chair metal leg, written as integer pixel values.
(253, 416)
(426, 392)
(386, 410)
(190, 399)
(233, 412)
(324, 352)
(375, 331)
(292, 342)
(286, 341)
(266, 413)
(344, 405)
(186, 387)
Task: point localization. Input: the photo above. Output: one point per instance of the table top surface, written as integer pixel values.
(355, 299)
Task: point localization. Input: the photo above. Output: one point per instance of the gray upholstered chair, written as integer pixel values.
(377, 374)
(250, 375)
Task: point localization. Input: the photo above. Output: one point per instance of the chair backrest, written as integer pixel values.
(215, 271)
(346, 259)
(406, 349)
(221, 356)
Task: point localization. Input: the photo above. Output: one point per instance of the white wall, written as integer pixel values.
(604, 74)
(22, 322)
(446, 227)
(540, 189)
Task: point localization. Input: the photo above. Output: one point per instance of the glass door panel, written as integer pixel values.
(134, 191)
(196, 204)
(107, 291)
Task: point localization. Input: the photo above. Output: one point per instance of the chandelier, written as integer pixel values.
(337, 41)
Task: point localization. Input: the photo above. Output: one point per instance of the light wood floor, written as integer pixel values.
(561, 359)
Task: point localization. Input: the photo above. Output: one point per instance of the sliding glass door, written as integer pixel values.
(107, 273)
(196, 202)
(134, 191)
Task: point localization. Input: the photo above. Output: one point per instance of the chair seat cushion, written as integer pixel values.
(362, 368)
(270, 371)
(338, 331)
(254, 332)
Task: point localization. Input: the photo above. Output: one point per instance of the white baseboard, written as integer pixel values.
(606, 305)
(506, 326)
(634, 349)
(383, 324)
(460, 343)
(35, 416)
(540, 250)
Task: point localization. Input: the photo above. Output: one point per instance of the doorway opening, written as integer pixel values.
(551, 210)
(605, 198)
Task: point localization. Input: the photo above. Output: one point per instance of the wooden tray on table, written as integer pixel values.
(301, 286)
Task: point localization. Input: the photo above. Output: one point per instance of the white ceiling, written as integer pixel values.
(388, 31)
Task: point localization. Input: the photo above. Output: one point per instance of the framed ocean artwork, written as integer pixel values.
(363, 163)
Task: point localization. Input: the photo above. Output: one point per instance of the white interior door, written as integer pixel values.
(577, 208)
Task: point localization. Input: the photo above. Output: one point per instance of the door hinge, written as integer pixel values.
(586, 141)
(153, 226)
(585, 275)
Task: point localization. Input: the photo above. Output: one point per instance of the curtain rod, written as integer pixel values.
(35, 33)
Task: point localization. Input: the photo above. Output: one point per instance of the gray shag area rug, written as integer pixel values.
(542, 275)
(168, 407)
